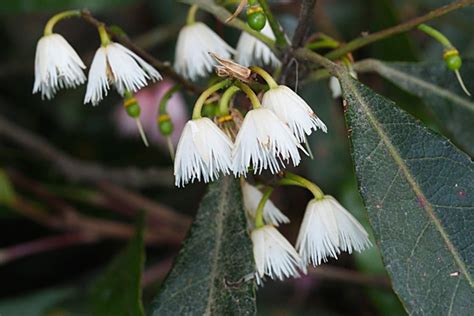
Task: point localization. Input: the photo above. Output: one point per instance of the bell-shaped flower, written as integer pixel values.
(252, 196)
(195, 42)
(274, 255)
(203, 152)
(252, 51)
(264, 142)
(327, 229)
(117, 65)
(293, 111)
(57, 66)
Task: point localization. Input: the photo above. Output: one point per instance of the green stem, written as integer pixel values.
(191, 18)
(279, 35)
(295, 179)
(205, 95)
(225, 99)
(104, 36)
(404, 27)
(437, 35)
(307, 55)
(250, 94)
(259, 222)
(48, 29)
(166, 97)
(266, 76)
(322, 44)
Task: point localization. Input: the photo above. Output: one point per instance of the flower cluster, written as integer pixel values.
(327, 230)
(269, 138)
(57, 66)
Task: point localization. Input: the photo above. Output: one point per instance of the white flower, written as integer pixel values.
(252, 51)
(335, 87)
(274, 255)
(293, 111)
(203, 152)
(57, 65)
(116, 64)
(263, 142)
(327, 229)
(252, 196)
(195, 41)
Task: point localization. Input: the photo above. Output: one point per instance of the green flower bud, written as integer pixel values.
(256, 19)
(133, 110)
(165, 125)
(452, 59)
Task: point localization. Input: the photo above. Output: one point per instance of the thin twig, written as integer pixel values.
(368, 39)
(164, 214)
(41, 245)
(161, 66)
(304, 20)
(79, 170)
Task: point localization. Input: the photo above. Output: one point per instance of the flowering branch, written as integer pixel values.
(124, 40)
(374, 37)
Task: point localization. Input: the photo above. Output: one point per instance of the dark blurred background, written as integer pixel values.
(52, 281)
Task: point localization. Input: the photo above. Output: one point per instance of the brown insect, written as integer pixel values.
(229, 68)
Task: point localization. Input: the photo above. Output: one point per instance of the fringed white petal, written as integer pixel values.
(98, 83)
(195, 41)
(203, 152)
(127, 69)
(274, 255)
(251, 51)
(327, 229)
(293, 111)
(116, 64)
(271, 214)
(264, 142)
(57, 66)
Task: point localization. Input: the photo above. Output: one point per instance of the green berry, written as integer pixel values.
(133, 110)
(166, 127)
(453, 62)
(256, 20)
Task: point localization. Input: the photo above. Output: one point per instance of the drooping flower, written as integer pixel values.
(264, 142)
(203, 152)
(57, 66)
(327, 229)
(293, 111)
(274, 255)
(252, 196)
(252, 51)
(117, 65)
(195, 41)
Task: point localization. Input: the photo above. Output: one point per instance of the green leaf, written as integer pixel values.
(7, 194)
(418, 190)
(118, 291)
(216, 254)
(437, 86)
